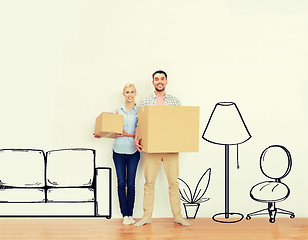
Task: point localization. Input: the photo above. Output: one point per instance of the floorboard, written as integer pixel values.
(160, 228)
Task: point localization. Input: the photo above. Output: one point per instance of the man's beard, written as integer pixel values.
(160, 90)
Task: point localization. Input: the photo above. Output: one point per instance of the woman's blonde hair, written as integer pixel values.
(129, 85)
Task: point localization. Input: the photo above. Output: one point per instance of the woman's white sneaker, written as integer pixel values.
(126, 221)
(132, 221)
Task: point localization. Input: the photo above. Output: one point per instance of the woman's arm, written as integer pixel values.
(125, 134)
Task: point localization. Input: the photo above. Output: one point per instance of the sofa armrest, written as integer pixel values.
(103, 192)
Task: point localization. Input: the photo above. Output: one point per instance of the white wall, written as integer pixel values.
(64, 62)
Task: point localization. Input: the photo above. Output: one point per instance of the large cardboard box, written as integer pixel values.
(166, 129)
(108, 124)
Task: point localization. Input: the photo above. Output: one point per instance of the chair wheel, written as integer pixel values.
(292, 216)
(248, 217)
(272, 220)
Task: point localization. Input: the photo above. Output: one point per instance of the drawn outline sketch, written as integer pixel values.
(226, 127)
(64, 176)
(272, 191)
(192, 202)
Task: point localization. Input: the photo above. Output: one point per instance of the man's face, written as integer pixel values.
(159, 82)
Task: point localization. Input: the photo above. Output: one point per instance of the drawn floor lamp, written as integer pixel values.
(226, 127)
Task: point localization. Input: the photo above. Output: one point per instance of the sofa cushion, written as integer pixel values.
(27, 195)
(70, 167)
(70, 195)
(22, 168)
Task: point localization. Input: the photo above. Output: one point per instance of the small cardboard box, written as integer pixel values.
(108, 124)
(166, 129)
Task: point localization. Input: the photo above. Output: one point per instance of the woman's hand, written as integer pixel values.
(124, 134)
(95, 136)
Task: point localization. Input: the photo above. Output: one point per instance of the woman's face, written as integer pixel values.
(129, 94)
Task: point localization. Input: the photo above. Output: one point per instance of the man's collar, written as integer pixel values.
(155, 96)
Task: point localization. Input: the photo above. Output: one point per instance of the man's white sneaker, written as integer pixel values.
(143, 221)
(182, 221)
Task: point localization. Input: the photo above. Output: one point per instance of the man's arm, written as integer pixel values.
(137, 138)
(176, 101)
(137, 141)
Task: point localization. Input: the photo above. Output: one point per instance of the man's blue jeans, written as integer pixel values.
(126, 167)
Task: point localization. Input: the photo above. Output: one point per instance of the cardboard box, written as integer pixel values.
(108, 124)
(166, 129)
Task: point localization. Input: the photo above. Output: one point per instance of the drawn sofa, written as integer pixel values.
(57, 183)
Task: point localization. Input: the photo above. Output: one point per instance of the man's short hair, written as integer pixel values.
(159, 71)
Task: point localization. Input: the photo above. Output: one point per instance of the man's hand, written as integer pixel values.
(137, 144)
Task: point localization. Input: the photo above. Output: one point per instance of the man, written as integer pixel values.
(152, 161)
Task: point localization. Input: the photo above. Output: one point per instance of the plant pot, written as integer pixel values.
(191, 210)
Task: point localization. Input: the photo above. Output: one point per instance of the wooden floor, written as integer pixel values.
(160, 228)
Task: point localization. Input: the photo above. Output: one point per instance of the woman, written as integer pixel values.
(125, 155)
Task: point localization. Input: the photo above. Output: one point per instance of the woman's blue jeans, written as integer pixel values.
(126, 167)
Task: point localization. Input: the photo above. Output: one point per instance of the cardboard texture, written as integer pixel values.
(166, 129)
(108, 124)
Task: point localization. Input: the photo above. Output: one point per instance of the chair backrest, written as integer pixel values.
(275, 162)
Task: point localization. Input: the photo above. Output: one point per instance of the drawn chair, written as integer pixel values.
(275, 163)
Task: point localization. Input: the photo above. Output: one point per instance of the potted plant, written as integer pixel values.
(192, 201)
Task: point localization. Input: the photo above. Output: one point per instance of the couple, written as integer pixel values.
(126, 155)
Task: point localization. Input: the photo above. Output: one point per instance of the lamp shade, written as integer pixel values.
(226, 125)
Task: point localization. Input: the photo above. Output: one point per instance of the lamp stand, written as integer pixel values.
(224, 217)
